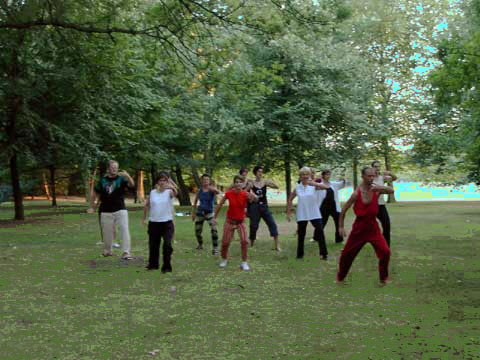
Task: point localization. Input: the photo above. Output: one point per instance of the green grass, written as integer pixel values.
(61, 300)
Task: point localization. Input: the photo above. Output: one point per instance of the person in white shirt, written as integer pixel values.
(160, 222)
(331, 202)
(381, 179)
(308, 209)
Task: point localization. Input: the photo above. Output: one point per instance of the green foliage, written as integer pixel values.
(454, 126)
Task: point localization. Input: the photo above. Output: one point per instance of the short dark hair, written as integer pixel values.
(326, 171)
(162, 174)
(375, 162)
(364, 170)
(205, 175)
(242, 170)
(256, 168)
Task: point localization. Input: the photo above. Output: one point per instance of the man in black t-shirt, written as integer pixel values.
(111, 191)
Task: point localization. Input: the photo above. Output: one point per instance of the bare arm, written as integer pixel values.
(346, 206)
(172, 183)
(214, 190)
(145, 210)
(129, 179)
(217, 210)
(392, 176)
(271, 184)
(251, 196)
(382, 189)
(292, 196)
(318, 186)
(194, 208)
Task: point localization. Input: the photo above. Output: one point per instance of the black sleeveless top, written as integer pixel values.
(261, 194)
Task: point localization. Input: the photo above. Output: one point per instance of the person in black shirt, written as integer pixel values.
(259, 209)
(331, 203)
(111, 191)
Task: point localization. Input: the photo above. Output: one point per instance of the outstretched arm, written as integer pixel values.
(271, 184)
(318, 186)
(382, 189)
(391, 176)
(341, 220)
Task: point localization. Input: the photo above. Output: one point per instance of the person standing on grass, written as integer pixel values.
(204, 212)
(247, 183)
(331, 202)
(308, 209)
(235, 220)
(110, 191)
(259, 209)
(365, 227)
(380, 180)
(160, 222)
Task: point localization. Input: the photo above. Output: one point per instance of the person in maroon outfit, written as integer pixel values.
(365, 228)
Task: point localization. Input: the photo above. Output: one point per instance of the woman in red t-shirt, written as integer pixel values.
(238, 200)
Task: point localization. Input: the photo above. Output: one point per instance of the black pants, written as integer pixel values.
(328, 211)
(157, 231)
(382, 215)
(257, 212)
(318, 236)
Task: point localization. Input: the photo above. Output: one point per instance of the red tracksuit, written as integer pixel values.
(365, 229)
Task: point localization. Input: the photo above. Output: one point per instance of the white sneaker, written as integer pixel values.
(223, 263)
(244, 266)
(116, 245)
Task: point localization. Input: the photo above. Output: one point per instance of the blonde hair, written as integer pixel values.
(305, 170)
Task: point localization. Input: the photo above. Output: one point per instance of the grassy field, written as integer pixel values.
(61, 300)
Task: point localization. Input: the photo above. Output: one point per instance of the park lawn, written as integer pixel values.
(61, 300)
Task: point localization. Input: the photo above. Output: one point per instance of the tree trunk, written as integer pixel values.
(140, 188)
(183, 191)
(288, 175)
(355, 172)
(196, 177)
(17, 191)
(53, 190)
(45, 186)
(14, 103)
(90, 189)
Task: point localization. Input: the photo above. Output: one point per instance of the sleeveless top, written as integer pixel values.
(261, 194)
(308, 206)
(206, 201)
(366, 210)
(365, 227)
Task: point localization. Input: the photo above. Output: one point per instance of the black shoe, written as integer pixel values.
(325, 257)
(200, 247)
(166, 269)
(149, 268)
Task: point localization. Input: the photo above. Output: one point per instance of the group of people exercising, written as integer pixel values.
(317, 200)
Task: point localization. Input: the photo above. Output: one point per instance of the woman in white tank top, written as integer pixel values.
(308, 209)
